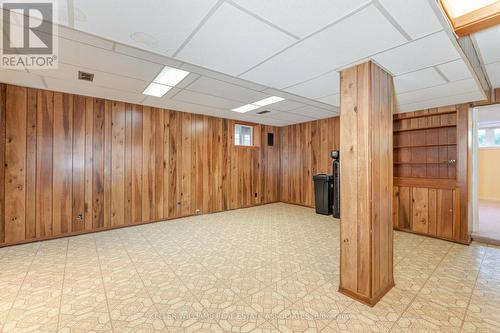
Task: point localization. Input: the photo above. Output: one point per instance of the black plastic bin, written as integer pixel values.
(323, 190)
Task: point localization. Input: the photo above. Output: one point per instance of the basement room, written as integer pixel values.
(249, 166)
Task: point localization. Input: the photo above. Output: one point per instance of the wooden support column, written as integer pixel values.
(366, 238)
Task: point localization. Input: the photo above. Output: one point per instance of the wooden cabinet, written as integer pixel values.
(428, 211)
(430, 172)
(420, 210)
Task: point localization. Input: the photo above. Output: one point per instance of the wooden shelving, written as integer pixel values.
(428, 145)
(401, 116)
(423, 128)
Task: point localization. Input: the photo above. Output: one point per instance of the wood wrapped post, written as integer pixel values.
(366, 236)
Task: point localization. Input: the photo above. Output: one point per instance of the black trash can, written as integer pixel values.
(323, 190)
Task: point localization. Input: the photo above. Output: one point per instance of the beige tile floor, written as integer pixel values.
(266, 269)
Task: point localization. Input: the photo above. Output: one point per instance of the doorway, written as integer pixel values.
(486, 159)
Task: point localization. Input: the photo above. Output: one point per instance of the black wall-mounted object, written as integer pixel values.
(270, 139)
(336, 183)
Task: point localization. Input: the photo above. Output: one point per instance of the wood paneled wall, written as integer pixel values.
(72, 164)
(305, 152)
(366, 177)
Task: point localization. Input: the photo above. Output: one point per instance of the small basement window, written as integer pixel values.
(489, 137)
(243, 135)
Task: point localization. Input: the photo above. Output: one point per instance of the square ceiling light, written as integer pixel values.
(168, 77)
(246, 108)
(156, 89)
(269, 100)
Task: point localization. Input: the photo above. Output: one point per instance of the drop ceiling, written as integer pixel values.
(488, 45)
(241, 51)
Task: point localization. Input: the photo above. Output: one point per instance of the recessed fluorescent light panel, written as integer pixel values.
(246, 108)
(269, 100)
(258, 104)
(156, 90)
(169, 77)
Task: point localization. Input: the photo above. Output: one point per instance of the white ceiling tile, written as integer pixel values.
(300, 99)
(489, 44)
(232, 41)
(61, 12)
(223, 89)
(86, 56)
(177, 105)
(441, 101)
(493, 71)
(312, 112)
(299, 17)
(188, 80)
(163, 25)
(285, 105)
(448, 89)
(417, 80)
(222, 77)
(69, 73)
(293, 118)
(369, 32)
(416, 17)
(82, 88)
(21, 78)
(429, 51)
(324, 85)
(276, 122)
(146, 55)
(208, 100)
(84, 38)
(455, 70)
(332, 99)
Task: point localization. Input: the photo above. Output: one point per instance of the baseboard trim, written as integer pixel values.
(486, 240)
(371, 302)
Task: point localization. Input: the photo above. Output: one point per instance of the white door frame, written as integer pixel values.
(474, 205)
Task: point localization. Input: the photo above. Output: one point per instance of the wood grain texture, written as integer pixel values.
(3, 100)
(420, 210)
(425, 142)
(119, 164)
(31, 126)
(62, 164)
(304, 152)
(15, 164)
(366, 264)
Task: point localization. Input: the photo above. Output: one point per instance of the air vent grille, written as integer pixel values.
(85, 76)
(263, 112)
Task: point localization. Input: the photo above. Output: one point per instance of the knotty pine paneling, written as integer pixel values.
(71, 164)
(305, 152)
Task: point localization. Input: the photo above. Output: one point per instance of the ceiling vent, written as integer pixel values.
(85, 76)
(263, 112)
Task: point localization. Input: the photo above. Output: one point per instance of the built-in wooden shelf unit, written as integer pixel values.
(425, 145)
(429, 191)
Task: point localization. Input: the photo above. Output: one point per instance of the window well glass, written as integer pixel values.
(243, 135)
